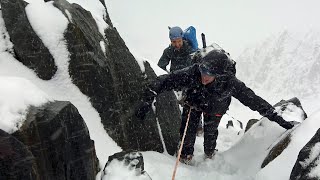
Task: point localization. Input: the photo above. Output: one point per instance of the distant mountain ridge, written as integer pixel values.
(292, 59)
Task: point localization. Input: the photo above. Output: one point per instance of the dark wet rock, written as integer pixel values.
(111, 77)
(16, 161)
(250, 123)
(169, 120)
(59, 140)
(240, 124)
(307, 160)
(28, 47)
(276, 150)
(230, 124)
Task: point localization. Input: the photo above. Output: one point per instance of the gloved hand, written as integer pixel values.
(142, 110)
(283, 123)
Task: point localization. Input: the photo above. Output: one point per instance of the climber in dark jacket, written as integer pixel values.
(209, 87)
(178, 52)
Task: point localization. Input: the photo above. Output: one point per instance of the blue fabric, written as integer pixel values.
(191, 36)
(175, 33)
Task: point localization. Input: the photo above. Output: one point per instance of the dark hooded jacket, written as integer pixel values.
(179, 58)
(213, 98)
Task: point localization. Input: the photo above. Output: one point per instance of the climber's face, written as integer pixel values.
(206, 79)
(177, 43)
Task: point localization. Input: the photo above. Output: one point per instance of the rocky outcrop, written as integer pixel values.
(169, 121)
(28, 47)
(59, 141)
(104, 69)
(278, 148)
(131, 161)
(16, 161)
(308, 159)
(295, 101)
(250, 123)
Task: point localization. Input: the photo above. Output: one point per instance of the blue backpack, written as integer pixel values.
(190, 35)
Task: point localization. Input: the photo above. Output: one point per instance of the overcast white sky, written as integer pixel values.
(233, 24)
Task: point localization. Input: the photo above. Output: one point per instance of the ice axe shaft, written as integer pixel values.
(203, 37)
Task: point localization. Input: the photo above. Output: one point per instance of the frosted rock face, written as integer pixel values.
(28, 47)
(101, 66)
(308, 162)
(289, 109)
(112, 78)
(59, 140)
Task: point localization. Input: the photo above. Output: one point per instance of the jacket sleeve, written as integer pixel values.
(175, 80)
(248, 98)
(164, 59)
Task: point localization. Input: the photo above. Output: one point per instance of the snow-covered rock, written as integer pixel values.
(17, 95)
(264, 136)
(95, 71)
(285, 162)
(28, 47)
(308, 162)
(57, 136)
(51, 135)
(125, 166)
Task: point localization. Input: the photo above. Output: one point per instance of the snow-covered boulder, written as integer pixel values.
(28, 47)
(292, 105)
(268, 139)
(103, 68)
(299, 137)
(307, 166)
(53, 132)
(125, 166)
(61, 41)
(291, 110)
(59, 139)
(16, 161)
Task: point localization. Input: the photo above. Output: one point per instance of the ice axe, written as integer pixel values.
(204, 44)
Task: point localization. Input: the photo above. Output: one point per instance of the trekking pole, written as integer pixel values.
(181, 145)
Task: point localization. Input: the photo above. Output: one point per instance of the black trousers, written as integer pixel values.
(210, 127)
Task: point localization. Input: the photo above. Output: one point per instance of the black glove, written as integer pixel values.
(142, 110)
(283, 123)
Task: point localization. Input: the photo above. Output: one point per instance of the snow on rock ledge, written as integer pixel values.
(125, 166)
(17, 94)
(308, 162)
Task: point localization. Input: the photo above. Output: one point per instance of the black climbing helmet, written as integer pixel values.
(217, 63)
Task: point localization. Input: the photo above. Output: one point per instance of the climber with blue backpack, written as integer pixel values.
(183, 44)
